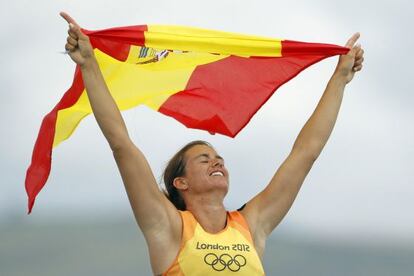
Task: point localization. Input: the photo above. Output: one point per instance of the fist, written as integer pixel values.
(351, 62)
(77, 44)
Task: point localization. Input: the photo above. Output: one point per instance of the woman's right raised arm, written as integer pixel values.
(153, 211)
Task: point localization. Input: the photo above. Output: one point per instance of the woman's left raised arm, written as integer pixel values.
(265, 211)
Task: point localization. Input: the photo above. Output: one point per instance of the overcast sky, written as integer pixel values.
(361, 186)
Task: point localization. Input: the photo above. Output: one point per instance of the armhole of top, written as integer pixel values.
(187, 225)
(238, 218)
(241, 208)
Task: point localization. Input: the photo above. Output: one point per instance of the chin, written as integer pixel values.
(218, 184)
(222, 185)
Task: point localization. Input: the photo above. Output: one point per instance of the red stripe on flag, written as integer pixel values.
(221, 97)
(39, 170)
(116, 42)
(293, 48)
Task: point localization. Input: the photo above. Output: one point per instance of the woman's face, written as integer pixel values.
(205, 170)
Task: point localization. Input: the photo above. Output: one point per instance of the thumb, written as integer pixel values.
(351, 42)
(75, 29)
(68, 18)
(354, 50)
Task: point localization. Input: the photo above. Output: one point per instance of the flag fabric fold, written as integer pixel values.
(210, 80)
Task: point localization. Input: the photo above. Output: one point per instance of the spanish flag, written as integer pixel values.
(205, 79)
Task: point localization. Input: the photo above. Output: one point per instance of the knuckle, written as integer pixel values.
(69, 47)
(72, 34)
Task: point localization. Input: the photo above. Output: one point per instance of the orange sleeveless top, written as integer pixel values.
(229, 252)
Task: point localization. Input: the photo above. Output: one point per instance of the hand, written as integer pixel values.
(350, 63)
(78, 46)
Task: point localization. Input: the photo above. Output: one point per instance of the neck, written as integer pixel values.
(210, 213)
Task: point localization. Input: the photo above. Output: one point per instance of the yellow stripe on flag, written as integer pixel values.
(210, 41)
(132, 84)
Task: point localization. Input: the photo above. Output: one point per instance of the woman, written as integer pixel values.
(190, 232)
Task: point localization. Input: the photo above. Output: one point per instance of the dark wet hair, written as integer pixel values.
(176, 168)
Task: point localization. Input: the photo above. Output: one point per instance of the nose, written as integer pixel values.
(217, 162)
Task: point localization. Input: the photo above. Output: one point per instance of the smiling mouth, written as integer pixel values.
(217, 174)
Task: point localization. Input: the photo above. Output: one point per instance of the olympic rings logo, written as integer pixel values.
(220, 263)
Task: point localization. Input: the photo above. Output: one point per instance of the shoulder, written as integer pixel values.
(244, 226)
(250, 221)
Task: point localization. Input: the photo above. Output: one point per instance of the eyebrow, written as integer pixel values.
(208, 156)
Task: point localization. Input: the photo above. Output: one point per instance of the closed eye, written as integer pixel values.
(207, 158)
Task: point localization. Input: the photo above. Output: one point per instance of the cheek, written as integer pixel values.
(227, 172)
(194, 171)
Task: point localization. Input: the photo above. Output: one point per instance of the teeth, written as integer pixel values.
(217, 173)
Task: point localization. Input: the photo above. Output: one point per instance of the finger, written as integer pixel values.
(72, 34)
(68, 18)
(354, 51)
(360, 53)
(358, 62)
(74, 28)
(359, 56)
(76, 31)
(72, 41)
(357, 68)
(350, 43)
(69, 47)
